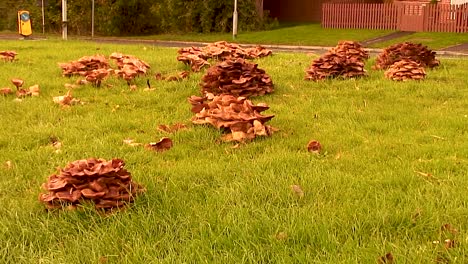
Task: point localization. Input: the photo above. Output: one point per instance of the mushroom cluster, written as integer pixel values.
(96, 76)
(105, 183)
(345, 60)
(405, 69)
(129, 66)
(21, 92)
(197, 57)
(223, 50)
(84, 66)
(237, 77)
(406, 50)
(8, 55)
(238, 115)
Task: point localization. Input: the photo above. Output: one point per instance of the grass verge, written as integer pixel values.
(304, 34)
(392, 172)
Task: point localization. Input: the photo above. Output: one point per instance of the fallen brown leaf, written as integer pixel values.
(57, 145)
(34, 90)
(386, 259)
(297, 191)
(115, 108)
(281, 236)
(428, 177)
(131, 142)
(70, 86)
(449, 228)
(8, 164)
(64, 100)
(449, 243)
(81, 82)
(172, 128)
(164, 144)
(314, 146)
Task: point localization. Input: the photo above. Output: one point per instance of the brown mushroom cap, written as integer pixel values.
(17, 82)
(5, 91)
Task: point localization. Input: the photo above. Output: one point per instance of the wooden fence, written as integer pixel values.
(401, 16)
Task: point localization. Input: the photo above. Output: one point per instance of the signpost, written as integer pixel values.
(92, 19)
(64, 19)
(43, 17)
(234, 21)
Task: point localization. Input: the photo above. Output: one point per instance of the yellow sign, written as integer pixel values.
(24, 23)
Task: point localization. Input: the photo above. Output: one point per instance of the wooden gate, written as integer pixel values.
(412, 17)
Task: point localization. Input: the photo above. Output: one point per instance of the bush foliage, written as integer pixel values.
(132, 17)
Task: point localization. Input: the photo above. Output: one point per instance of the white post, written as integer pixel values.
(92, 19)
(64, 19)
(234, 21)
(43, 18)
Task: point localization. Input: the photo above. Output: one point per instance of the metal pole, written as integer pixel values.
(43, 18)
(64, 20)
(234, 21)
(92, 19)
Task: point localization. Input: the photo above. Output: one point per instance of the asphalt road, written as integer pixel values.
(449, 52)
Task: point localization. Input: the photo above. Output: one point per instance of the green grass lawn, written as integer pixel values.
(302, 34)
(206, 202)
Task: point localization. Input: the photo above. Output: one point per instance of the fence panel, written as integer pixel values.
(401, 16)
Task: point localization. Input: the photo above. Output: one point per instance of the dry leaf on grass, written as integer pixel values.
(297, 190)
(70, 86)
(164, 144)
(56, 144)
(8, 164)
(34, 90)
(449, 243)
(449, 228)
(172, 128)
(386, 259)
(281, 236)
(314, 146)
(131, 142)
(428, 177)
(65, 100)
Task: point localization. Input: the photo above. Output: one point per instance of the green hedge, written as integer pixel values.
(136, 17)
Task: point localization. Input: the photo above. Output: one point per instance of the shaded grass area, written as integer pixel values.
(209, 202)
(434, 40)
